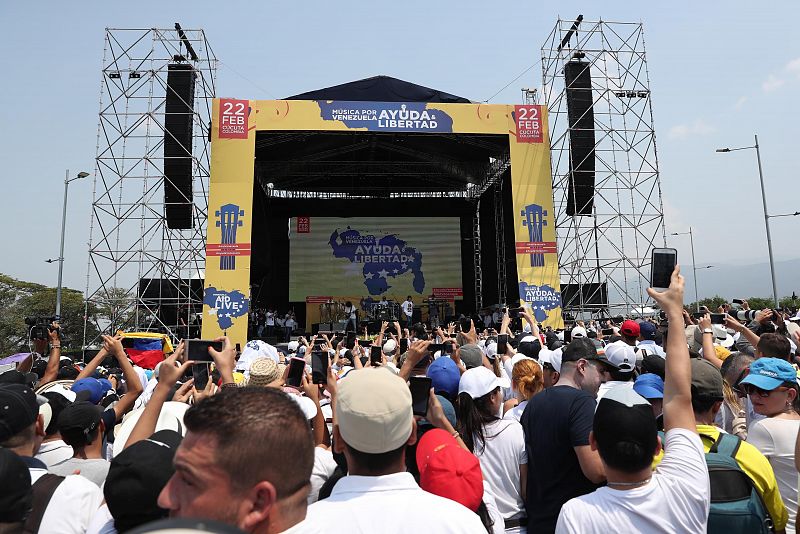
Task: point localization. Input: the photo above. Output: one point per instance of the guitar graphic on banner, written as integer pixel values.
(229, 220)
(533, 217)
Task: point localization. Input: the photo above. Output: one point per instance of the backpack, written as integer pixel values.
(736, 506)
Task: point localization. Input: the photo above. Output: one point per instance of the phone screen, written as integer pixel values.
(319, 367)
(717, 318)
(502, 343)
(663, 263)
(365, 342)
(197, 349)
(447, 347)
(375, 355)
(433, 347)
(607, 331)
(403, 345)
(296, 368)
(200, 375)
(465, 324)
(351, 340)
(420, 394)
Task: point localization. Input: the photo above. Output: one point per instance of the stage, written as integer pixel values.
(377, 188)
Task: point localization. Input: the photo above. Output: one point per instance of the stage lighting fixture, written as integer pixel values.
(114, 75)
(578, 55)
(134, 74)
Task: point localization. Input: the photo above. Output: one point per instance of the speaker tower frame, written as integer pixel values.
(613, 244)
(129, 239)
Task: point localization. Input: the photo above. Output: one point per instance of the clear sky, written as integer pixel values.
(720, 72)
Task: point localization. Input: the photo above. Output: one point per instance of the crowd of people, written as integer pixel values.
(681, 425)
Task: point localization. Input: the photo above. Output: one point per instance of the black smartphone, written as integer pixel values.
(420, 394)
(197, 349)
(737, 301)
(662, 264)
(717, 318)
(351, 340)
(365, 342)
(607, 331)
(465, 323)
(318, 341)
(296, 368)
(698, 315)
(502, 343)
(447, 347)
(513, 313)
(567, 335)
(319, 366)
(403, 344)
(375, 356)
(433, 347)
(200, 375)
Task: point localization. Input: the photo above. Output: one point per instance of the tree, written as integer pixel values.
(20, 299)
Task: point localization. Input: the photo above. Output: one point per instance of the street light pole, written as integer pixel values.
(67, 180)
(766, 223)
(694, 265)
(694, 270)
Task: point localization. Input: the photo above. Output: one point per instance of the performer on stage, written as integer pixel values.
(433, 311)
(408, 311)
(351, 313)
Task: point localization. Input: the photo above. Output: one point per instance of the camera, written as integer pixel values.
(40, 326)
(743, 315)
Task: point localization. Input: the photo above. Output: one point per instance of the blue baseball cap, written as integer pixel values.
(95, 388)
(770, 373)
(647, 330)
(649, 386)
(444, 376)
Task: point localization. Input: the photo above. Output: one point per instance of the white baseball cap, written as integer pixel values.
(479, 381)
(373, 410)
(553, 357)
(621, 356)
(579, 331)
(389, 346)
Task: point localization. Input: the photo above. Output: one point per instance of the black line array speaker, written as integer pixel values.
(178, 122)
(578, 81)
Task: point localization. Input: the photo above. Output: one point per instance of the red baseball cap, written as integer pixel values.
(449, 471)
(630, 328)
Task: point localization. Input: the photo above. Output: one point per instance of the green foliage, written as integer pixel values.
(20, 299)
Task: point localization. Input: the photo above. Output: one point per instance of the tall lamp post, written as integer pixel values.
(766, 216)
(60, 259)
(694, 265)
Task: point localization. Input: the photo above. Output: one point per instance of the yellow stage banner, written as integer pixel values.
(534, 229)
(226, 297)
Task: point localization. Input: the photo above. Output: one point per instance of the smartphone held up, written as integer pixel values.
(662, 265)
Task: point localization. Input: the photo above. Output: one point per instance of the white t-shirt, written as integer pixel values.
(324, 466)
(408, 308)
(389, 504)
(498, 523)
(516, 412)
(270, 319)
(676, 499)
(775, 438)
(54, 452)
(72, 505)
(502, 454)
(605, 386)
(102, 522)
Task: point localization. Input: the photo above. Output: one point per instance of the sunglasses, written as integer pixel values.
(750, 389)
(736, 386)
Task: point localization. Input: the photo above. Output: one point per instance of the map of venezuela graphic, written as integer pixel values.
(382, 258)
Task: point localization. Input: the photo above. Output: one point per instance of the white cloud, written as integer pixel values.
(698, 128)
(793, 67)
(772, 83)
(740, 102)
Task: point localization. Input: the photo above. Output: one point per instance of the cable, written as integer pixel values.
(521, 74)
(245, 78)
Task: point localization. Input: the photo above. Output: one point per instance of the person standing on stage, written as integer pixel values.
(270, 320)
(433, 311)
(408, 311)
(351, 314)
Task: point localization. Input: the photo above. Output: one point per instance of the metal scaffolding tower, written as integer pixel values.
(141, 273)
(614, 243)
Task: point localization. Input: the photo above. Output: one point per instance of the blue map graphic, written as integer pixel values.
(229, 305)
(386, 116)
(541, 298)
(384, 258)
